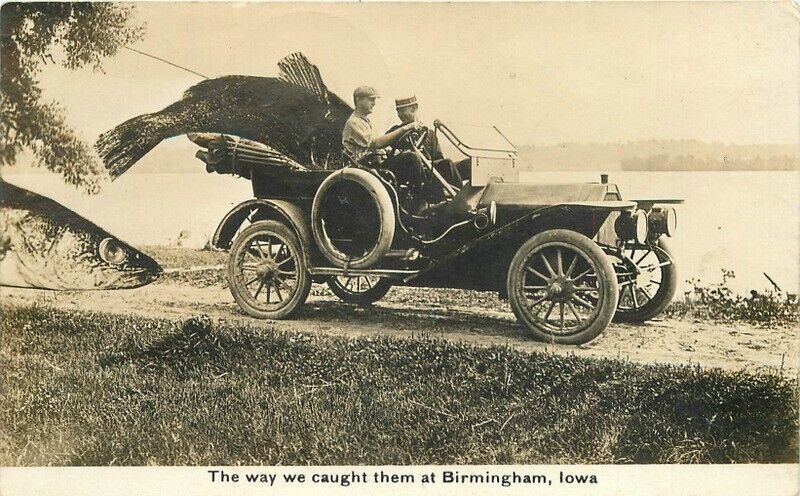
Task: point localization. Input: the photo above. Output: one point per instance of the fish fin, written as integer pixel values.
(216, 87)
(296, 69)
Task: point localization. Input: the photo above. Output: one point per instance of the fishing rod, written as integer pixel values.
(165, 61)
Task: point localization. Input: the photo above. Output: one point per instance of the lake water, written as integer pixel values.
(748, 222)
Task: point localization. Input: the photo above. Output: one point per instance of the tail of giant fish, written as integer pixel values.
(209, 106)
(124, 145)
(294, 114)
(121, 147)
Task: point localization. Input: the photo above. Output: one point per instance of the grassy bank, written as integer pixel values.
(97, 389)
(717, 302)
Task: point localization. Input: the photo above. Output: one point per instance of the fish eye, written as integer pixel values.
(111, 251)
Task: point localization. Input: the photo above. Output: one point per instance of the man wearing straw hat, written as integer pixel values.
(407, 113)
(453, 173)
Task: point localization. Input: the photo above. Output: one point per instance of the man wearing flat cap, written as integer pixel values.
(358, 137)
(360, 142)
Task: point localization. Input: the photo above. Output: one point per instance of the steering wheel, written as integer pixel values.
(413, 138)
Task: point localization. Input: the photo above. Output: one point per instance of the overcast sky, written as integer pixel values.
(543, 73)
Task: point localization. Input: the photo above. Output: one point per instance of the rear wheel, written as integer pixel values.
(648, 278)
(267, 274)
(562, 287)
(359, 290)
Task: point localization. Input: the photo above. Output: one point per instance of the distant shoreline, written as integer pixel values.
(644, 155)
(661, 155)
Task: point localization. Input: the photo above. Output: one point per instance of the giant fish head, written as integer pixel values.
(45, 245)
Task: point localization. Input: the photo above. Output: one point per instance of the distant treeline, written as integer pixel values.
(681, 155)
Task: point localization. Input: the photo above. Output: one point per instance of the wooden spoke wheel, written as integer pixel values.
(359, 290)
(562, 287)
(267, 273)
(647, 277)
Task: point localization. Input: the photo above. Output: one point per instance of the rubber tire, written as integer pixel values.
(363, 299)
(303, 277)
(385, 207)
(663, 296)
(603, 268)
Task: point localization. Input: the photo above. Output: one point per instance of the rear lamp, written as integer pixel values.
(632, 226)
(663, 221)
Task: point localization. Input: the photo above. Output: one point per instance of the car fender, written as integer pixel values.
(263, 209)
(649, 203)
(586, 217)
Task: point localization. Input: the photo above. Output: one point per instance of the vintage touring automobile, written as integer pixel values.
(568, 257)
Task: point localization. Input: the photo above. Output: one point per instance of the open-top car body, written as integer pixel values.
(569, 257)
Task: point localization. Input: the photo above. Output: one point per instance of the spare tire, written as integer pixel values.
(353, 219)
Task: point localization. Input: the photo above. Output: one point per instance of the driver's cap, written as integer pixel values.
(405, 102)
(365, 91)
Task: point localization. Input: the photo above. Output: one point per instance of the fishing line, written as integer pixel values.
(165, 61)
(199, 268)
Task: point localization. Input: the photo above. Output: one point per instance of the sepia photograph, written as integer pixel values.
(522, 245)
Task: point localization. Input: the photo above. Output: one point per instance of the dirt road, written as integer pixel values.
(453, 315)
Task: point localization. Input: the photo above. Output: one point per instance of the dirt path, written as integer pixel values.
(668, 341)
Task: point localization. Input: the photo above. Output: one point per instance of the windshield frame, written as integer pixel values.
(475, 151)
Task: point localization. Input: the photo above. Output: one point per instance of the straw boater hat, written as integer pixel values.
(405, 102)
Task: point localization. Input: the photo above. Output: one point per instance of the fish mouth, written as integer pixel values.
(145, 271)
(143, 277)
(142, 270)
(133, 279)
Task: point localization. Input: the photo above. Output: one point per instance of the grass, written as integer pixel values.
(208, 266)
(717, 302)
(98, 389)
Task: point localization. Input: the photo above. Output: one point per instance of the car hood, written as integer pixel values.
(536, 195)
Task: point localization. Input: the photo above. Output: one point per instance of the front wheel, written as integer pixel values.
(648, 278)
(267, 272)
(359, 290)
(562, 287)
